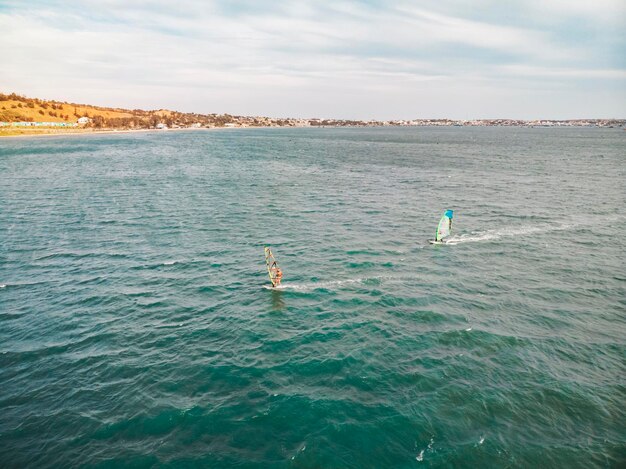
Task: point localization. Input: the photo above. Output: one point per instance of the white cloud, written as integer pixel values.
(292, 57)
(530, 71)
(611, 11)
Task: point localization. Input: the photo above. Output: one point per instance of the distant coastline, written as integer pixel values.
(23, 116)
(52, 132)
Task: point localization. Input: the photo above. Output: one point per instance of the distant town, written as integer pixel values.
(19, 114)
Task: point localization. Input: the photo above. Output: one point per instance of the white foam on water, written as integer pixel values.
(301, 450)
(170, 262)
(524, 230)
(482, 439)
(2, 286)
(468, 329)
(316, 285)
(491, 235)
(336, 283)
(420, 457)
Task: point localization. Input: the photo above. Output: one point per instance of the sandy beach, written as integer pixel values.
(35, 132)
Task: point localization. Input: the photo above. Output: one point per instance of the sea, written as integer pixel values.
(138, 327)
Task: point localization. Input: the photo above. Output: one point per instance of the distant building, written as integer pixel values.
(84, 120)
(161, 126)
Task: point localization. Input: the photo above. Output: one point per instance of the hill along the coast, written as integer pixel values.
(23, 115)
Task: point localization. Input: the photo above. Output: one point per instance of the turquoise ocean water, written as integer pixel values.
(135, 330)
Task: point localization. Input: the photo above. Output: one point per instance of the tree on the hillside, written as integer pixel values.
(11, 116)
(97, 121)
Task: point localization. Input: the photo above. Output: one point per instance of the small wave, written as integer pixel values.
(300, 450)
(170, 262)
(420, 456)
(2, 285)
(169, 326)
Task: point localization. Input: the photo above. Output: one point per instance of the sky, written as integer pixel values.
(344, 59)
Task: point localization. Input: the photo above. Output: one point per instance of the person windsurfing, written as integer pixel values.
(444, 229)
(277, 273)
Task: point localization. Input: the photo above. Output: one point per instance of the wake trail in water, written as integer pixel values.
(337, 284)
(490, 235)
(317, 285)
(524, 230)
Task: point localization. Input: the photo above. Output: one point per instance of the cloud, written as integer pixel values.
(285, 58)
(544, 72)
(605, 11)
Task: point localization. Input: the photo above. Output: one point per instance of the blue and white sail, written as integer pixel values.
(444, 229)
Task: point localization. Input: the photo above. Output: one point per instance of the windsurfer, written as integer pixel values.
(276, 273)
